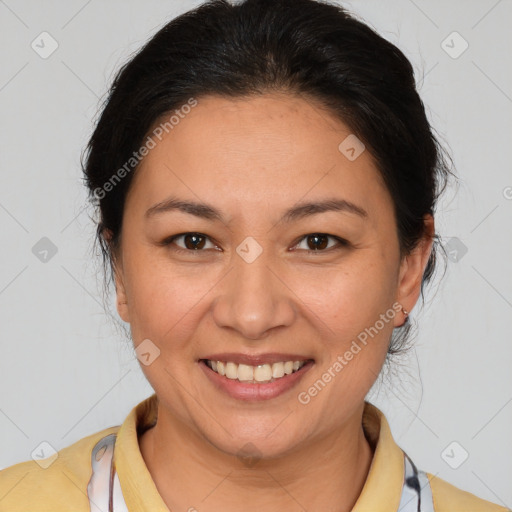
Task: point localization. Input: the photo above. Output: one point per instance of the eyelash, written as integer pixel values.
(342, 243)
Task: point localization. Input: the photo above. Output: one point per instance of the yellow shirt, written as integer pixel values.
(78, 477)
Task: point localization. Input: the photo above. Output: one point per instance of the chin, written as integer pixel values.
(255, 442)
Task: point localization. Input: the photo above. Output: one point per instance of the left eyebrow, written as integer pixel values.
(327, 205)
(300, 211)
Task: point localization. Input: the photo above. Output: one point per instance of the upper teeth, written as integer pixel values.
(260, 373)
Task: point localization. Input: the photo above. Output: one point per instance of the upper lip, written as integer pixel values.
(256, 359)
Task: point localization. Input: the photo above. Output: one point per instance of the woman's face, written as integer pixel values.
(251, 288)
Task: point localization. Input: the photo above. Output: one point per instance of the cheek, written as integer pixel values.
(353, 312)
(351, 296)
(159, 295)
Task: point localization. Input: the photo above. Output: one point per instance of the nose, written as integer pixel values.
(253, 298)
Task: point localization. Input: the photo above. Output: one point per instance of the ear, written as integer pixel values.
(412, 268)
(117, 267)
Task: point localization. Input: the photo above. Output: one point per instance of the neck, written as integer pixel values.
(189, 472)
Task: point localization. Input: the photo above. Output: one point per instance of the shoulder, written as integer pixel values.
(448, 498)
(53, 483)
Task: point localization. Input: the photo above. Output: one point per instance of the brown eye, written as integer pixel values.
(192, 242)
(319, 242)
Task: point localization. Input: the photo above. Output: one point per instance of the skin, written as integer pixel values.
(253, 158)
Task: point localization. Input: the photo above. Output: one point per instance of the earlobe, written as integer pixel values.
(412, 269)
(122, 301)
(117, 268)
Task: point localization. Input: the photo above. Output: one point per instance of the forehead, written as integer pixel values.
(269, 149)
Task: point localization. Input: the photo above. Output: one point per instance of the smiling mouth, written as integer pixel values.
(260, 374)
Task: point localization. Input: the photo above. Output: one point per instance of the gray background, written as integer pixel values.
(66, 371)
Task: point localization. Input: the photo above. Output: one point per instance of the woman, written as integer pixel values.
(266, 180)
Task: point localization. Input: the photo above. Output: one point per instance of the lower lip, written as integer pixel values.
(254, 392)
